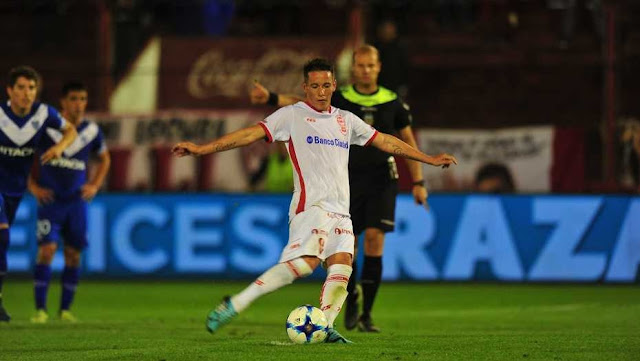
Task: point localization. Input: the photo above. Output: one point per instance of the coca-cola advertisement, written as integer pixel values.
(217, 73)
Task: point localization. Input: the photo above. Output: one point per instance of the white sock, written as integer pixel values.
(275, 277)
(334, 291)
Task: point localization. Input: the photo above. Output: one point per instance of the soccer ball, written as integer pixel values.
(307, 324)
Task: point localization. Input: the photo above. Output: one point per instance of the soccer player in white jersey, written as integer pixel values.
(318, 137)
(22, 124)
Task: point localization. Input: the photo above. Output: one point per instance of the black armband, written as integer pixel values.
(273, 99)
(418, 183)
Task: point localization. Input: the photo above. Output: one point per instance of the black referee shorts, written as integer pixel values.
(373, 205)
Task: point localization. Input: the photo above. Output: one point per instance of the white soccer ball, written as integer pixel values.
(307, 324)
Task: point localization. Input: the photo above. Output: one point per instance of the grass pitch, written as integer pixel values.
(149, 320)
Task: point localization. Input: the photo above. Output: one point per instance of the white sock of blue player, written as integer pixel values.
(275, 277)
(334, 291)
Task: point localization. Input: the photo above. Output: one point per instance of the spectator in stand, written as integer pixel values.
(394, 74)
(276, 170)
(494, 178)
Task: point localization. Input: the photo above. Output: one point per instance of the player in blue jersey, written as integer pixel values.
(62, 189)
(23, 122)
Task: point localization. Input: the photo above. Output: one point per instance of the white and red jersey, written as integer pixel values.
(318, 144)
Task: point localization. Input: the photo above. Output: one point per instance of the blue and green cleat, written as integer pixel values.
(334, 336)
(221, 315)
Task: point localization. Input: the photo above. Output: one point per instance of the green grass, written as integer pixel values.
(165, 321)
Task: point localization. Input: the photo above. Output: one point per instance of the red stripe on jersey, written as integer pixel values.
(266, 130)
(303, 192)
(372, 138)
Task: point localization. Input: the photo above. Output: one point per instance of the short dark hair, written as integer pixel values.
(500, 171)
(72, 86)
(317, 64)
(24, 71)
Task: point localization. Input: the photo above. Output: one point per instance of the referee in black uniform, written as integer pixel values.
(372, 174)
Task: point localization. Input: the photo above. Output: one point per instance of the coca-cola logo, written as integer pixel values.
(213, 74)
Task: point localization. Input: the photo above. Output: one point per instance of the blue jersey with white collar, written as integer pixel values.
(19, 138)
(67, 174)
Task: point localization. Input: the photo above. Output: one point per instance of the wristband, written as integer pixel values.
(273, 99)
(418, 183)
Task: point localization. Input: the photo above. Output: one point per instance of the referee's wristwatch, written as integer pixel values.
(418, 183)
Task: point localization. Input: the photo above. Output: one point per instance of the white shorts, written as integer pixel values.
(316, 232)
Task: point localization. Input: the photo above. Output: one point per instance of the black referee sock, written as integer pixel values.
(370, 280)
(351, 286)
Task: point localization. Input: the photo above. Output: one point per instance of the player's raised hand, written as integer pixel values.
(88, 191)
(444, 160)
(183, 149)
(41, 194)
(258, 94)
(51, 153)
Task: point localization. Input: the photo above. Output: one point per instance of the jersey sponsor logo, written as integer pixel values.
(85, 136)
(16, 152)
(342, 124)
(343, 230)
(319, 231)
(310, 120)
(335, 142)
(68, 163)
(20, 136)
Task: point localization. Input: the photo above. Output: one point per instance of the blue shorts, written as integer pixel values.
(8, 207)
(66, 220)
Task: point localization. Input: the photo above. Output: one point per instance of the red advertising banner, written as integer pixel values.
(217, 73)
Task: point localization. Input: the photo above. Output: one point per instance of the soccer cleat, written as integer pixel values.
(334, 336)
(67, 316)
(4, 316)
(221, 315)
(351, 309)
(41, 316)
(365, 324)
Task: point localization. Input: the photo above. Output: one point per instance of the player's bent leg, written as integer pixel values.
(334, 292)
(274, 278)
(70, 278)
(41, 280)
(4, 247)
(371, 276)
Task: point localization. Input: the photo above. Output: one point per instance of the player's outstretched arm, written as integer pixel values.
(260, 95)
(419, 190)
(237, 139)
(68, 136)
(392, 145)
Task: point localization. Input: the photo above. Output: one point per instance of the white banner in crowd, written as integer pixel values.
(526, 152)
(142, 134)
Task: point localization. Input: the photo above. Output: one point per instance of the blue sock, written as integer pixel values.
(69, 284)
(41, 279)
(4, 247)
